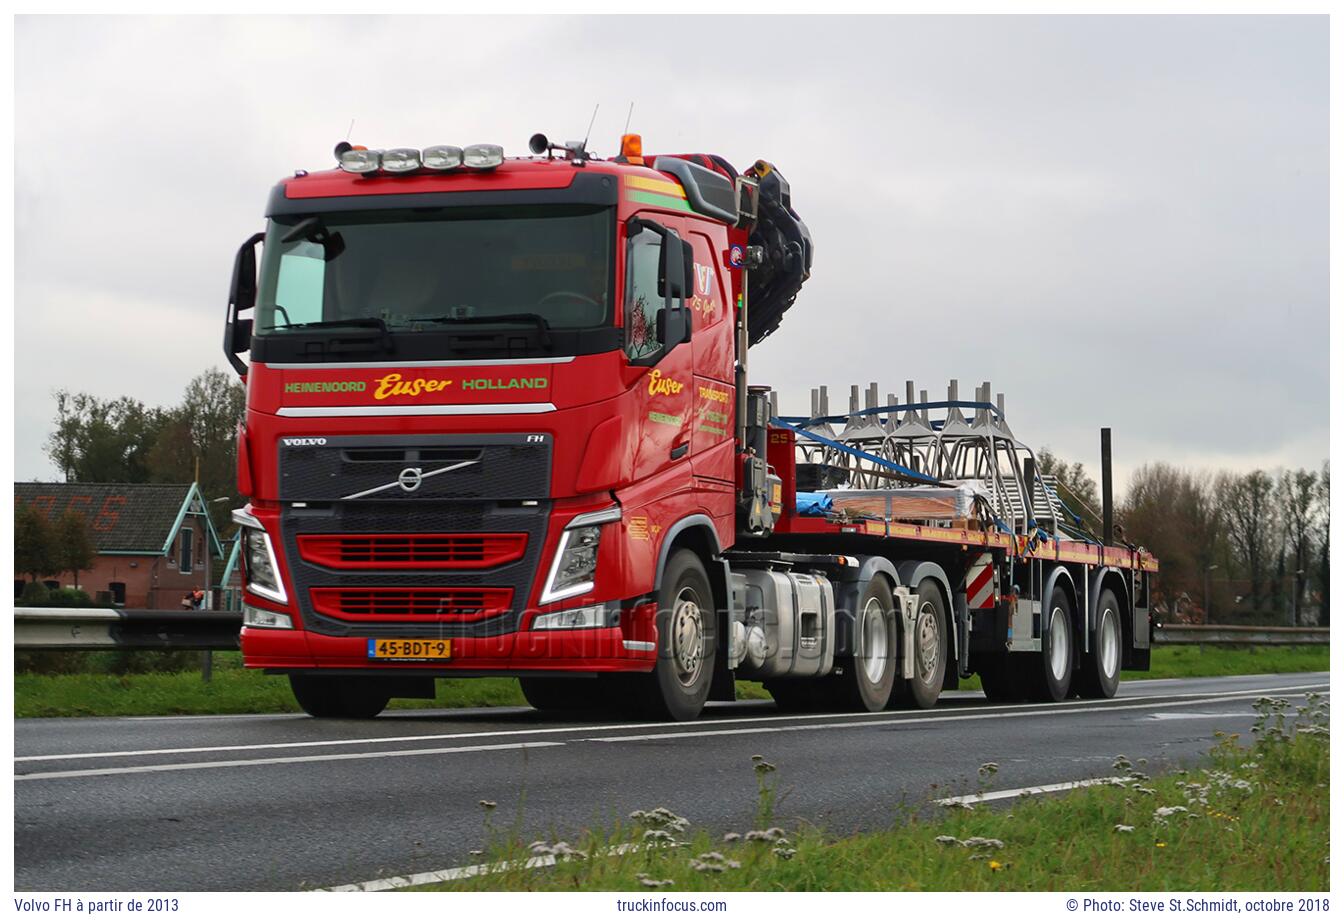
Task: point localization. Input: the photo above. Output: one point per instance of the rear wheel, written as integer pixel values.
(687, 616)
(866, 680)
(1051, 670)
(1100, 674)
(799, 695)
(998, 680)
(339, 697)
(930, 650)
(559, 694)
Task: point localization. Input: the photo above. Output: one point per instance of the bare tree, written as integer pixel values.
(1297, 497)
(1247, 502)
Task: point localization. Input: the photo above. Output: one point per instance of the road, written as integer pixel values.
(283, 802)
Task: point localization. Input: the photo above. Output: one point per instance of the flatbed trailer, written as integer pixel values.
(499, 422)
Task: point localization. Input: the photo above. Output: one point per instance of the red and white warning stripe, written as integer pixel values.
(980, 583)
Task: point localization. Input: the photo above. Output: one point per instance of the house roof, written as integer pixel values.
(123, 517)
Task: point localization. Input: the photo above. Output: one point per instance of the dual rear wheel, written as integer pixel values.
(1050, 675)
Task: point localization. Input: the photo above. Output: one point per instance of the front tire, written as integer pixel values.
(339, 697)
(687, 618)
(559, 694)
(1100, 674)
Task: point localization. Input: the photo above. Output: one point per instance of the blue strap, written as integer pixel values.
(855, 452)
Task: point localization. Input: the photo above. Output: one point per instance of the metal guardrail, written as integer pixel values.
(1189, 634)
(201, 630)
(88, 628)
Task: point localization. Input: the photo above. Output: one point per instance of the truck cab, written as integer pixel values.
(488, 401)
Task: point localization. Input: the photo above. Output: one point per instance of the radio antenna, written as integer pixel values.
(628, 115)
(590, 126)
(351, 130)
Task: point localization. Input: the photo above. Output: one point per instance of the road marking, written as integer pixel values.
(1056, 708)
(1181, 716)
(460, 872)
(1030, 790)
(993, 714)
(316, 758)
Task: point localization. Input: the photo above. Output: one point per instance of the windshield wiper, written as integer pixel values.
(372, 322)
(368, 322)
(533, 319)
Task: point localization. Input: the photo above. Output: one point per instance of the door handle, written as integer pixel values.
(680, 450)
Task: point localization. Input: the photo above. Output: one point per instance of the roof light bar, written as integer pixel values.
(398, 160)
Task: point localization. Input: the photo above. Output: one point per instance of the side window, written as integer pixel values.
(642, 299)
(184, 552)
(298, 288)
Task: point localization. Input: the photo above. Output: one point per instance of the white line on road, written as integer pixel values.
(316, 758)
(1029, 790)
(460, 872)
(760, 729)
(996, 713)
(1054, 708)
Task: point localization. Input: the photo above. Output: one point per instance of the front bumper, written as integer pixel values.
(631, 646)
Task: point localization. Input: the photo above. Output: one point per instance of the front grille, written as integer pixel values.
(373, 520)
(436, 605)
(413, 551)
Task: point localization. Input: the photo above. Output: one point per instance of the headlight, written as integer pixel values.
(265, 619)
(482, 156)
(358, 160)
(401, 159)
(442, 156)
(578, 618)
(576, 556)
(263, 574)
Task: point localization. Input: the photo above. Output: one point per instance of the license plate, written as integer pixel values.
(410, 649)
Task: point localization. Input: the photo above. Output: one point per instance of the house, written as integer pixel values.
(153, 539)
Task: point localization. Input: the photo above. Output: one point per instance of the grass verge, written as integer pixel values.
(1255, 819)
(235, 690)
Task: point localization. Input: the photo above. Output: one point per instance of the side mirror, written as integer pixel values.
(242, 296)
(672, 327)
(672, 269)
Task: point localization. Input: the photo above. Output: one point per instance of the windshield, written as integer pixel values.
(431, 270)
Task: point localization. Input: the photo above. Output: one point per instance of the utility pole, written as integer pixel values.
(1207, 609)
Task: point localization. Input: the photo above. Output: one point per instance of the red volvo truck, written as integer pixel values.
(499, 424)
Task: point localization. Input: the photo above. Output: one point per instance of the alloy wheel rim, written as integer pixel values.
(1108, 644)
(926, 634)
(1059, 643)
(874, 631)
(688, 636)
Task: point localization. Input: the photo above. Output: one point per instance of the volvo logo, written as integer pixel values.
(303, 442)
(409, 479)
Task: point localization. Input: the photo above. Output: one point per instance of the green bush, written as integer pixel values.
(35, 594)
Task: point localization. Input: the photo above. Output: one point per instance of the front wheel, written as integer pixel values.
(325, 697)
(561, 694)
(1100, 674)
(687, 615)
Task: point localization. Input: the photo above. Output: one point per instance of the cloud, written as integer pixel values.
(1117, 220)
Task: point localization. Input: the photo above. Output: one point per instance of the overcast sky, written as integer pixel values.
(1117, 221)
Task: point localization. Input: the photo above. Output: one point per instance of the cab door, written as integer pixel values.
(657, 327)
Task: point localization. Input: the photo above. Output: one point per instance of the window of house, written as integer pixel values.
(184, 552)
